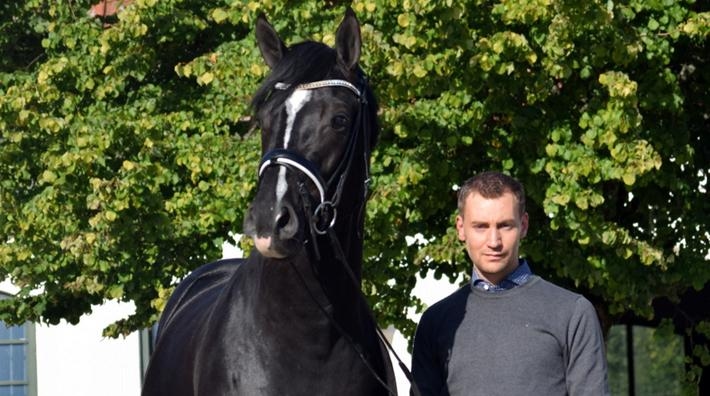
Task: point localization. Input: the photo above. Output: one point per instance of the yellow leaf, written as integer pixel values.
(115, 291)
(94, 221)
(395, 68)
(129, 165)
(329, 39)
(49, 124)
(89, 84)
(551, 150)
(561, 199)
(409, 41)
(690, 27)
(42, 77)
(187, 70)
(49, 176)
(419, 71)
(110, 215)
(219, 15)
(205, 78)
(255, 69)
(629, 179)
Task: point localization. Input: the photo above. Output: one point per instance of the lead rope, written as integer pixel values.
(343, 333)
(341, 257)
(329, 316)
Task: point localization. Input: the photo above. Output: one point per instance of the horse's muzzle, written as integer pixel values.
(277, 232)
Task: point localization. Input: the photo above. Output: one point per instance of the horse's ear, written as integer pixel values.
(347, 40)
(270, 44)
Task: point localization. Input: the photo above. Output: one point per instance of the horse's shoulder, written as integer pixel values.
(215, 271)
(202, 282)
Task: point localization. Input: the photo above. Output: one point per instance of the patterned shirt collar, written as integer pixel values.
(516, 278)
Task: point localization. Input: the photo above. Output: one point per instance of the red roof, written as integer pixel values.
(108, 7)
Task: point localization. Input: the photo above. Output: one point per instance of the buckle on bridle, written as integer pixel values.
(324, 217)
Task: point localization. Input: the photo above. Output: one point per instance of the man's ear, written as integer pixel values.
(270, 44)
(524, 225)
(460, 228)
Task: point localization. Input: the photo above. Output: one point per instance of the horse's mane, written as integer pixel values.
(302, 63)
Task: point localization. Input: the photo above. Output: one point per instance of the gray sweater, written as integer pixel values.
(535, 339)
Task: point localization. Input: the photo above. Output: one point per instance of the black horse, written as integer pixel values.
(289, 319)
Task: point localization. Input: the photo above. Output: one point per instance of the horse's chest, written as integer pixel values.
(284, 348)
(282, 366)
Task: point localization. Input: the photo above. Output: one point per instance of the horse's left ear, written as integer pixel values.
(270, 44)
(347, 40)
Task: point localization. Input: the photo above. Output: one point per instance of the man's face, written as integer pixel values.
(492, 230)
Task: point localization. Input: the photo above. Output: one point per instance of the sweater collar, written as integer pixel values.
(516, 278)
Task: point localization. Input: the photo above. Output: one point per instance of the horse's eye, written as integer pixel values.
(339, 122)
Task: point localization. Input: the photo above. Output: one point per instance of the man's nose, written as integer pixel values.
(494, 237)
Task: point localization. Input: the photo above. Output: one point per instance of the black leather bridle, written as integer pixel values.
(324, 216)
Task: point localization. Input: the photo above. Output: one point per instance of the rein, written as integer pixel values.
(323, 217)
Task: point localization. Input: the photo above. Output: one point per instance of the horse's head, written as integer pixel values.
(317, 119)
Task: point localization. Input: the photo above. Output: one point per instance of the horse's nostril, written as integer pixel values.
(283, 218)
(286, 223)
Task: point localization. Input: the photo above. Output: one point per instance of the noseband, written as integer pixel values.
(325, 213)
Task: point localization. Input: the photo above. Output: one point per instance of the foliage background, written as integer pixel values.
(127, 156)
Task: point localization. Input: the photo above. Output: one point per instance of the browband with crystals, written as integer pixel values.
(321, 84)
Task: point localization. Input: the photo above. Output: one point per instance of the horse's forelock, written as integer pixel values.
(307, 62)
(304, 62)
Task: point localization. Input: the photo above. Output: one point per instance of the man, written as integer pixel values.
(509, 332)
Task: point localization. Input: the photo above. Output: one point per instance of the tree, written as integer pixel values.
(127, 154)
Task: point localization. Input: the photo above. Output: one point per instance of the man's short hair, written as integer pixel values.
(492, 184)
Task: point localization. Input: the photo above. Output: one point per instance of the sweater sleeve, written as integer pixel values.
(428, 370)
(586, 365)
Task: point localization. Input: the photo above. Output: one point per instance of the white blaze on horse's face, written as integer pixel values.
(293, 104)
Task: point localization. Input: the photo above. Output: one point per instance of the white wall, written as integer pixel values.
(77, 361)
